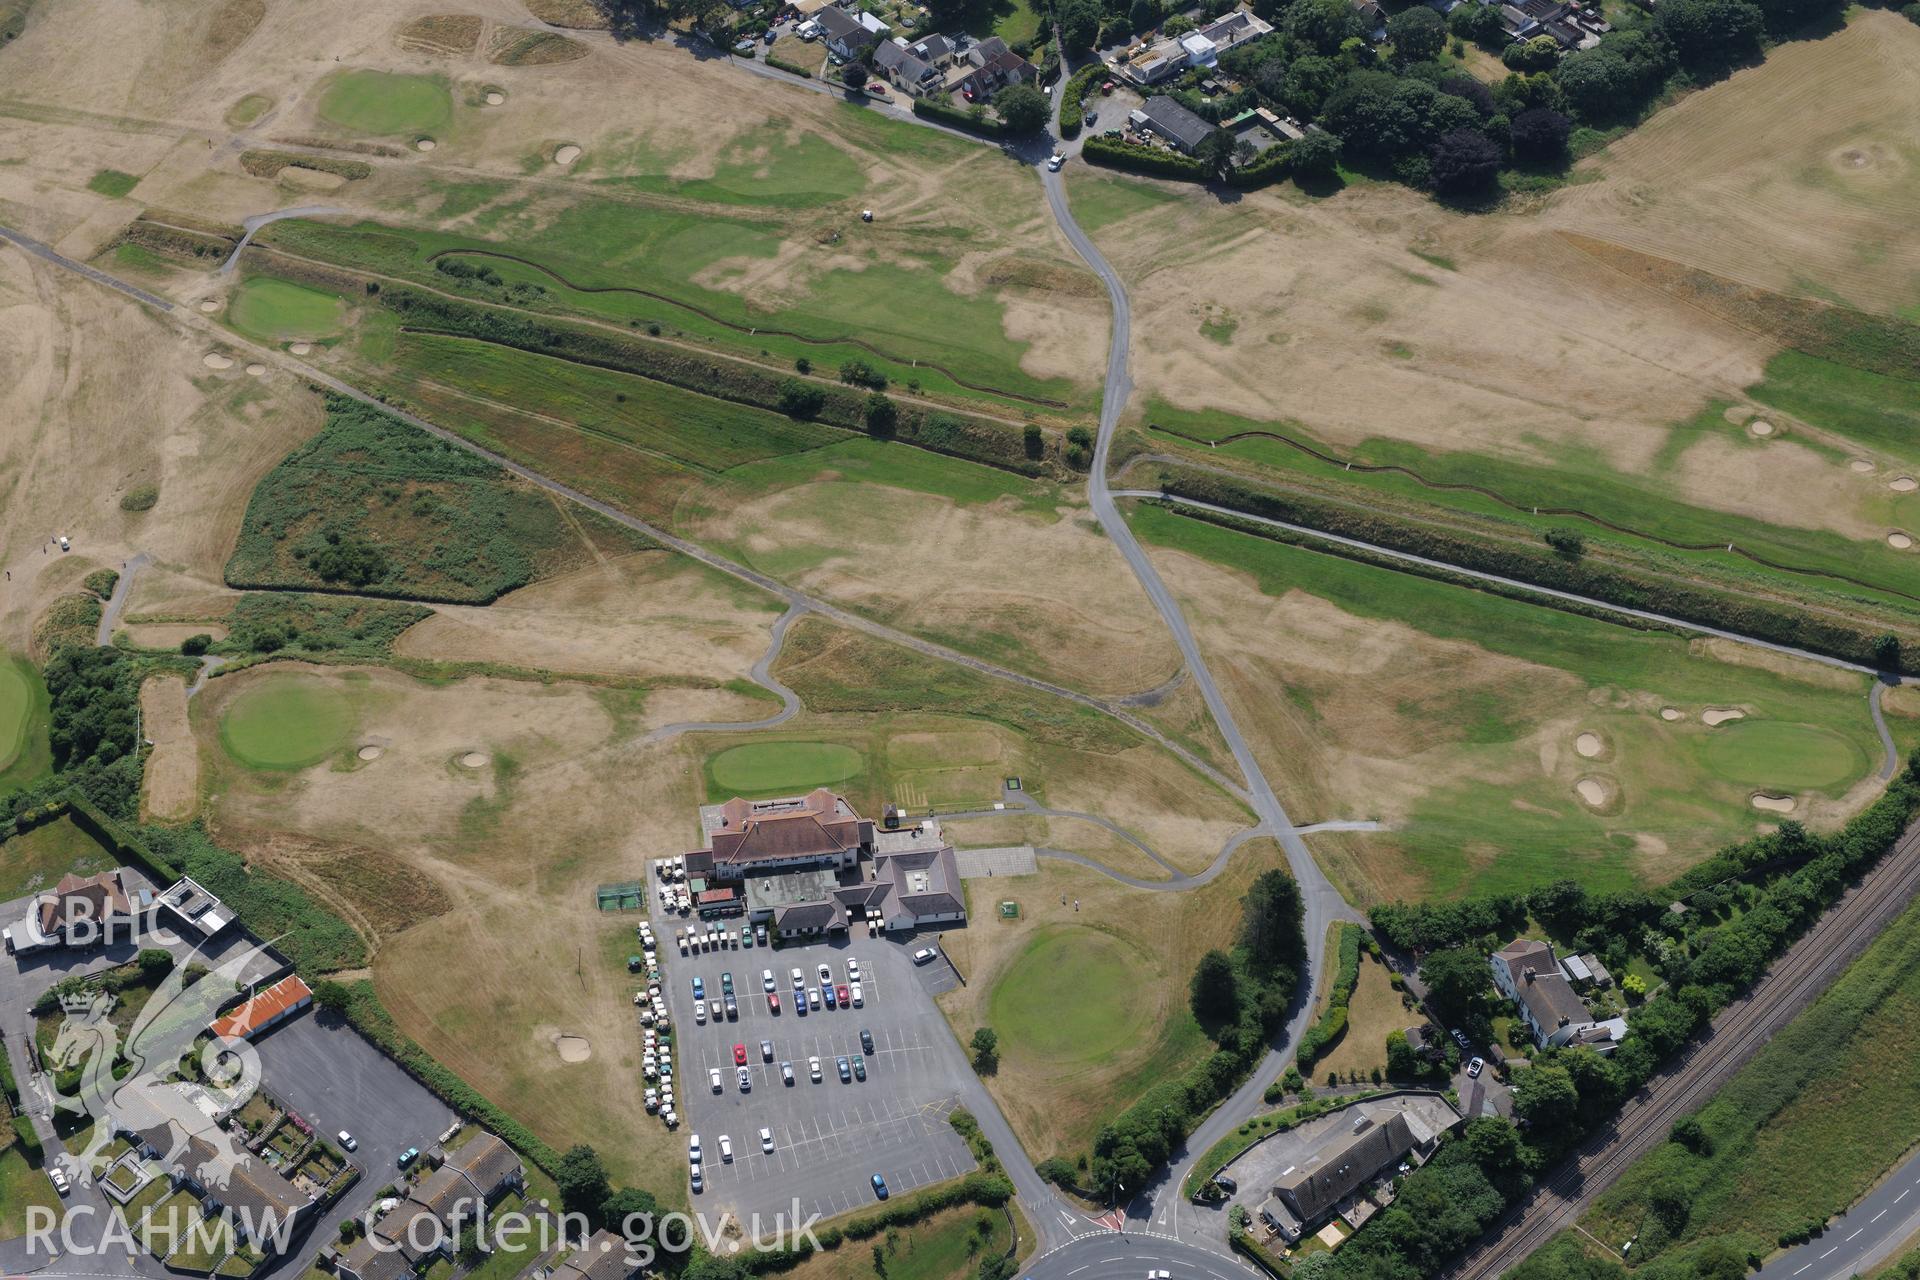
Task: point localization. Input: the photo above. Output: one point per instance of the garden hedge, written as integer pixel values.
(948, 114)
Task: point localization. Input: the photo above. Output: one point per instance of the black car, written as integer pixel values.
(866, 1039)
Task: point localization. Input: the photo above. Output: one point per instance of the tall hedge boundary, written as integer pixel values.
(948, 114)
(989, 1190)
(1072, 107)
(1588, 576)
(1331, 1025)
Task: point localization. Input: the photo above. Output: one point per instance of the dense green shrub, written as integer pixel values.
(975, 120)
(141, 497)
(1153, 161)
(1331, 1025)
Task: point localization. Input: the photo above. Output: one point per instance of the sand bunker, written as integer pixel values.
(1589, 745)
(210, 306)
(495, 99)
(1670, 713)
(1760, 427)
(573, 1048)
(423, 144)
(1861, 465)
(1720, 715)
(1595, 793)
(1899, 541)
(372, 752)
(1773, 804)
(257, 370)
(214, 360)
(474, 760)
(566, 155)
(1905, 484)
(300, 348)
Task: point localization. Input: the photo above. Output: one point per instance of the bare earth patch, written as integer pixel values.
(172, 782)
(168, 635)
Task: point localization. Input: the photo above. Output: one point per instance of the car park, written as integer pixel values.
(866, 1040)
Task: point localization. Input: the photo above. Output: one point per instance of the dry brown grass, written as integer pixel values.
(1375, 1010)
(172, 782)
(650, 613)
(581, 15)
(477, 885)
(443, 34)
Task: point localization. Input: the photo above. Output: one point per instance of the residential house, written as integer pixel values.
(428, 1222)
(987, 67)
(178, 1124)
(196, 908)
(1330, 1179)
(1163, 116)
(1374, 16)
(601, 1256)
(1526, 972)
(1169, 56)
(905, 68)
(936, 50)
(846, 37)
(80, 911)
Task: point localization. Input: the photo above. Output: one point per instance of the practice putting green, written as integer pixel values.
(1766, 753)
(1074, 995)
(756, 768)
(16, 712)
(277, 311)
(287, 721)
(383, 102)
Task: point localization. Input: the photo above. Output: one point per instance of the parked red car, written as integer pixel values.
(739, 1055)
(773, 1004)
(841, 991)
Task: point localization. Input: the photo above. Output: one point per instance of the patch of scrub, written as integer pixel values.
(1102, 1015)
(762, 768)
(273, 310)
(1596, 792)
(384, 102)
(1773, 804)
(1714, 717)
(1589, 745)
(287, 721)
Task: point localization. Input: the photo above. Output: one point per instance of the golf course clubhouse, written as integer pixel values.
(808, 865)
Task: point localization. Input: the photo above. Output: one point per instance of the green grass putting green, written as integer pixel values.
(1089, 1019)
(383, 102)
(25, 756)
(758, 768)
(112, 182)
(287, 721)
(1765, 753)
(280, 311)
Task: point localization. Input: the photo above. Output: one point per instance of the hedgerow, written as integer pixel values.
(1331, 1025)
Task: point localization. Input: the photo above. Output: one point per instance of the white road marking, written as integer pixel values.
(1832, 1250)
(1902, 1196)
(1856, 1231)
(1876, 1217)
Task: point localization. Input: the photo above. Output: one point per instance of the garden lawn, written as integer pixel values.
(381, 102)
(22, 1187)
(37, 859)
(1803, 1130)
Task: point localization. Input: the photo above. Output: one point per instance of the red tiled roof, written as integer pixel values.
(262, 1008)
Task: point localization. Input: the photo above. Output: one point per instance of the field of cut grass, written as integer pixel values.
(112, 182)
(281, 311)
(1879, 412)
(25, 756)
(22, 1188)
(287, 721)
(38, 858)
(1801, 1132)
(1071, 995)
(773, 171)
(386, 103)
(1101, 199)
(1649, 514)
(950, 1245)
(1453, 715)
(763, 768)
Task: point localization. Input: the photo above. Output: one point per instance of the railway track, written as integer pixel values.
(1742, 1028)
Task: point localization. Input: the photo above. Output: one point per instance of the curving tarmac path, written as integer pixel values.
(259, 220)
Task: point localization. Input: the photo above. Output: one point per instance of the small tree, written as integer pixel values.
(1418, 34)
(1886, 652)
(1216, 152)
(1464, 162)
(1539, 135)
(1537, 54)
(803, 365)
(1034, 440)
(194, 646)
(800, 399)
(881, 415)
(1023, 109)
(1315, 156)
(853, 75)
(1568, 543)
(986, 1050)
(1215, 990)
(332, 996)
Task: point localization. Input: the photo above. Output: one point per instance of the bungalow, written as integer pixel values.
(177, 1126)
(1525, 972)
(601, 1256)
(427, 1224)
(845, 36)
(81, 911)
(1179, 126)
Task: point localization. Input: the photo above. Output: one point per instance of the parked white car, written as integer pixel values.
(766, 1139)
(713, 1078)
(858, 999)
